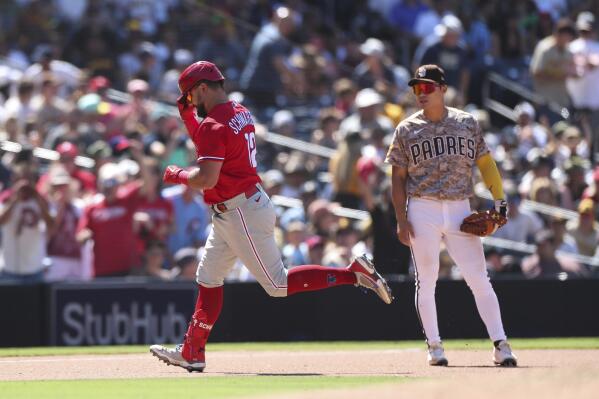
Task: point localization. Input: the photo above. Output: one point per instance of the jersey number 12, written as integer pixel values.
(251, 142)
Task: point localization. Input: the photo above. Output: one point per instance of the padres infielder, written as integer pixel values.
(432, 154)
(243, 217)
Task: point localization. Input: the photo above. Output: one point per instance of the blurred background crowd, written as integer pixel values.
(87, 125)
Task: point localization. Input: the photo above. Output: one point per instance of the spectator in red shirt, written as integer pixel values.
(109, 221)
(154, 214)
(86, 181)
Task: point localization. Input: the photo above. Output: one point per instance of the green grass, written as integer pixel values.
(238, 386)
(535, 343)
(213, 387)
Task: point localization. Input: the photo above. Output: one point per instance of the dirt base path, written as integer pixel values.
(554, 373)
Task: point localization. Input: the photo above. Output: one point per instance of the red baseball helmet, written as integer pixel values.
(201, 70)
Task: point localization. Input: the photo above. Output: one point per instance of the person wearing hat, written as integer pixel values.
(98, 84)
(329, 121)
(85, 182)
(68, 75)
(432, 155)
(552, 62)
(186, 263)
(64, 251)
(582, 87)
(345, 93)
(109, 220)
(377, 67)
(25, 219)
(368, 115)
(266, 71)
(573, 188)
(136, 113)
(546, 263)
(592, 192)
(585, 230)
(273, 181)
(243, 216)
(169, 89)
(344, 171)
(531, 135)
(295, 250)
(571, 144)
(450, 55)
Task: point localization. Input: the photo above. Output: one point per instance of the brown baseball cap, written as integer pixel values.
(428, 74)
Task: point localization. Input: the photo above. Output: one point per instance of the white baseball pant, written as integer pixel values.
(245, 232)
(436, 220)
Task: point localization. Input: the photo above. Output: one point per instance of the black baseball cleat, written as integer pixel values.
(368, 277)
(436, 355)
(508, 363)
(503, 355)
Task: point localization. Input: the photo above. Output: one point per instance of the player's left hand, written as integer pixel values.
(171, 174)
(483, 224)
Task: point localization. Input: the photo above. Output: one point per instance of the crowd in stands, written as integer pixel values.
(332, 73)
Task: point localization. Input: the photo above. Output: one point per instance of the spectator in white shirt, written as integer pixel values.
(24, 221)
(582, 87)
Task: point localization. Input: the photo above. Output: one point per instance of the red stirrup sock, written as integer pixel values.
(207, 310)
(314, 277)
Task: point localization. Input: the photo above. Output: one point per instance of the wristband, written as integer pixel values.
(183, 177)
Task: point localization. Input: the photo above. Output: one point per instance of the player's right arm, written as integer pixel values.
(397, 157)
(206, 176)
(200, 178)
(210, 160)
(399, 196)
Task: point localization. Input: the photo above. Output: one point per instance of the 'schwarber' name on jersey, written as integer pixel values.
(239, 121)
(442, 145)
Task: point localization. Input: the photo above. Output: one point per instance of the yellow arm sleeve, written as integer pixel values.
(491, 177)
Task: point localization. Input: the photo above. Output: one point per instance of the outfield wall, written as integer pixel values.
(140, 312)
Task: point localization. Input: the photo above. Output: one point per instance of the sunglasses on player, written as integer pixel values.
(424, 88)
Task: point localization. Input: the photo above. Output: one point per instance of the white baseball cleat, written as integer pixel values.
(175, 358)
(436, 355)
(503, 355)
(368, 277)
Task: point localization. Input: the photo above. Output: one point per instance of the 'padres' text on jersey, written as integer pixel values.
(439, 156)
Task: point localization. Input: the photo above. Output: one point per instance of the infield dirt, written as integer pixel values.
(542, 373)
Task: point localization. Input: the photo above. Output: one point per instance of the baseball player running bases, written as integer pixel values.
(243, 218)
(432, 156)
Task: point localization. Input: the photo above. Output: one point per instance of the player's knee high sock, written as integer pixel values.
(207, 310)
(314, 277)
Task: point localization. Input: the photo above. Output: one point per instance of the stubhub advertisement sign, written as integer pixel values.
(120, 313)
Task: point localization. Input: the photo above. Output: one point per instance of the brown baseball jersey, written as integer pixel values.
(439, 156)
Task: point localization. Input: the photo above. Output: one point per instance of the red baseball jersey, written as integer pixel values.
(112, 228)
(227, 135)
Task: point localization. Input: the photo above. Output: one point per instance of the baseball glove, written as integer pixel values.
(483, 223)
